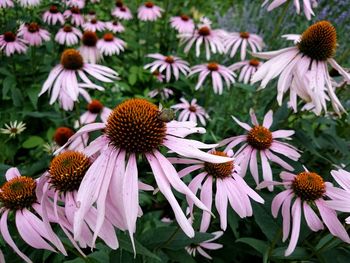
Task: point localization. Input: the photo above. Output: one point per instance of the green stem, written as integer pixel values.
(273, 243)
(279, 21)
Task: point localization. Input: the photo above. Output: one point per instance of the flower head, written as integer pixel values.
(13, 128)
(76, 18)
(94, 109)
(247, 69)
(10, 44)
(308, 4)
(6, 3)
(110, 45)
(53, 15)
(28, 3)
(68, 35)
(94, 25)
(207, 244)
(149, 12)
(88, 49)
(121, 11)
(164, 93)
(183, 24)
(115, 27)
(33, 34)
(191, 111)
(62, 135)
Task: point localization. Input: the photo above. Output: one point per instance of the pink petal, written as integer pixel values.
(311, 218)
(296, 211)
(206, 198)
(12, 173)
(268, 119)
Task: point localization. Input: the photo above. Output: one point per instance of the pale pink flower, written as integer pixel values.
(191, 111)
(76, 18)
(121, 11)
(135, 127)
(244, 40)
(303, 68)
(88, 49)
(10, 44)
(247, 69)
(217, 73)
(33, 34)
(307, 7)
(61, 136)
(68, 36)
(115, 27)
(183, 24)
(18, 196)
(63, 77)
(159, 76)
(76, 3)
(6, 3)
(91, 15)
(170, 64)
(110, 45)
(28, 3)
(207, 244)
(94, 25)
(308, 191)
(53, 15)
(261, 141)
(149, 12)
(164, 93)
(94, 109)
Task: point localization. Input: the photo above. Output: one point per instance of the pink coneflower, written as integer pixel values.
(183, 24)
(18, 196)
(207, 244)
(203, 35)
(94, 25)
(27, 3)
(76, 3)
(260, 140)
(68, 36)
(229, 187)
(88, 49)
(308, 190)
(164, 93)
(33, 34)
(308, 4)
(170, 64)
(191, 111)
(91, 15)
(247, 68)
(216, 72)
(76, 18)
(10, 44)
(110, 45)
(149, 12)
(6, 3)
(234, 40)
(63, 77)
(121, 11)
(303, 68)
(115, 27)
(94, 109)
(62, 134)
(159, 76)
(53, 15)
(136, 127)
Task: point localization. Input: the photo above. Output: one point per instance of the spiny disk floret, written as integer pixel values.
(319, 41)
(219, 170)
(18, 193)
(67, 170)
(309, 186)
(135, 126)
(72, 60)
(259, 137)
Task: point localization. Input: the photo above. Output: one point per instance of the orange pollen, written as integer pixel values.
(62, 134)
(259, 138)
(149, 4)
(213, 66)
(67, 29)
(244, 34)
(18, 193)
(308, 186)
(219, 170)
(169, 59)
(9, 37)
(53, 9)
(108, 37)
(89, 38)
(33, 27)
(95, 106)
(185, 18)
(204, 31)
(71, 59)
(254, 62)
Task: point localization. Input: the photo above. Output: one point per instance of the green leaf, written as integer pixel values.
(8, 84)
(265, 221)
(298, 253)
(33, 142)
(257, 244)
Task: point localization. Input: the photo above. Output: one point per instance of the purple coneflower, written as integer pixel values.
(207, 244)
(183, 24)
(91, 15)
(18, 196)
(76, 3)
(6, 3)
(308, 4)
(27, 3)
(62, 134)
(68, 36)
(149, 12)
(121, 11)
(115, 27)
(236, 39)
(33, 34)
(94, 25)
(260, 140)
(247, 69)
(136, 127)
(53, 15)
(88, 49)
(10, 44)
(171, 64)
(303, 68)
(164, 93)
(308, 190)
(94, 109)
(216, 72)
(76, 18)
(110, 45)
(191, 111)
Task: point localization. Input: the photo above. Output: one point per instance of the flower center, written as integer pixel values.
(254, 62)
(71, 59)
(219, 170)
(123, 9)
(67, 29)
(53, 9)
(192, 109)
(95, 106)
(92, 12)
(319, 41)
(14, 130)
(33, 27)
(75, 10)
(204, 31)
(213, 66)
(9, 37)
(18, 193)
(62, 134)
(134, 126)
(115, 23)
(259, 138)
(169, 59)
(108, 37)
(149, 4)
(93, 21)
(185, 18)
(89, 38)
(119, 3)
(308, 186)
(67, 170)
(244, 34)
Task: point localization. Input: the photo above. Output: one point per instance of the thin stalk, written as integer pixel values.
(279, 21)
